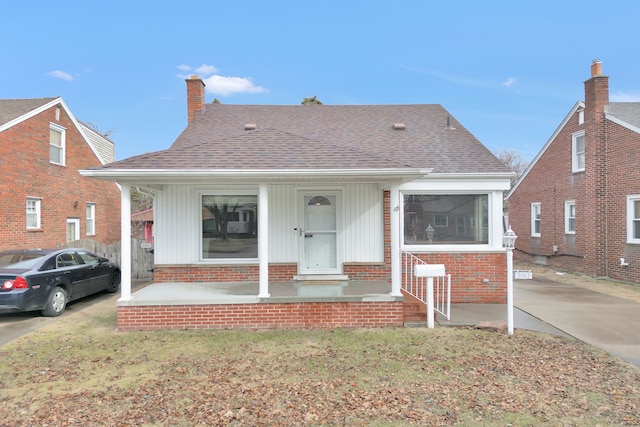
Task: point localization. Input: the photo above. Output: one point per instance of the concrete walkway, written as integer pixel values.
(604, 321)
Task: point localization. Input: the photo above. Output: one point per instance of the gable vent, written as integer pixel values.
(399, 126)
(250, 126)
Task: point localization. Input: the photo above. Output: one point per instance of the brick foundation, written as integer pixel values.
(261, 316)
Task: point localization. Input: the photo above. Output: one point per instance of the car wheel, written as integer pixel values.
(114, 282)
(56, 303)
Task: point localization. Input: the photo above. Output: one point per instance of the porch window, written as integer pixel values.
(229, 226)
(445, 219)
(633, 219)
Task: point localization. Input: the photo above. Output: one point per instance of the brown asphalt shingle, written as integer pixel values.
(13, 108)
(322, 137)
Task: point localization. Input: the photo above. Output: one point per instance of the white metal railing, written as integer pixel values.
(417, 286)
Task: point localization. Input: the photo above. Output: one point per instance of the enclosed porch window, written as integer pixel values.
(229, 226)
(431, 219)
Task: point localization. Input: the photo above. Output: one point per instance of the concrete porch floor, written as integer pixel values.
(192, 293)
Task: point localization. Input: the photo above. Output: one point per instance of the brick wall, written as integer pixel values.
(27, 172)
(468, 274)
(551, 183)
(600, 192)
(261, 316)
(623, 153)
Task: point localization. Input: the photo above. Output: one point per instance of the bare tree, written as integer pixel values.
(140, 201)
(514, 161)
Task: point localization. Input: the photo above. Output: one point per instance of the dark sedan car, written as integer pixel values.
(47, 279)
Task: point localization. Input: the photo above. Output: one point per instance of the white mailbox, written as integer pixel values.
(428, 270)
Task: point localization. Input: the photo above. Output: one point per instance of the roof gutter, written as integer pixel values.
(185, 175)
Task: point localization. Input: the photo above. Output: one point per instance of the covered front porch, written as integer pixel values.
(291, 304)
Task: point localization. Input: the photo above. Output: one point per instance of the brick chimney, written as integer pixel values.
(195, 96)
(596, 89)
(596, 98)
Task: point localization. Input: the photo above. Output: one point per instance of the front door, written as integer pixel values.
(319, 234)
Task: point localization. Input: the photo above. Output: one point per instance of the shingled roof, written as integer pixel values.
(11, 109)
(628, 112)
(298, 137)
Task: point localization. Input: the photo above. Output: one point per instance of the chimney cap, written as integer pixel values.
(596, 68)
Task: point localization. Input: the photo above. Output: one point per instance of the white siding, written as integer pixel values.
(178, 211)
(363, 234)
(283, 238)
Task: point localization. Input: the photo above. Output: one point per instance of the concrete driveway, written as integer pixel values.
(604, 321)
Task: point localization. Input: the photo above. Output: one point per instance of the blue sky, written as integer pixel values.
(509, 71)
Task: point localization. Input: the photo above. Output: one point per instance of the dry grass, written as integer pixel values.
(79, 371)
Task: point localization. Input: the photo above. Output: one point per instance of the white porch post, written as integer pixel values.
(263, 240)
(396, 273)
(125, 243)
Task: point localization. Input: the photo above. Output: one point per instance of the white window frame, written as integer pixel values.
(577, 155)
(494, 224)
(60, 149)
(633, 219)
(536, 217)
(73, 226)
(90, 221)
(33, 210)
(225, 192)
(568, 216)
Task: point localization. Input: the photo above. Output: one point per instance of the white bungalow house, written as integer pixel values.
(301, 216)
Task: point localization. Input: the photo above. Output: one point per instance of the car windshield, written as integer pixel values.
(26, 263)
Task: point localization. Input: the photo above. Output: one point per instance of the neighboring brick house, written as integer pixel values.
(577, 206)
(340, 195)
(45, 202)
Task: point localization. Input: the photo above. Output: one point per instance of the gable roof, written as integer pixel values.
(577, 106)
(15, 111)
(322, 137)
(626, 114)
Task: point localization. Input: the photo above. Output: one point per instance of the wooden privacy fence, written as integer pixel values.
(141, 258)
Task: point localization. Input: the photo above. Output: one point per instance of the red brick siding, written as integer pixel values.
(623, 180)
(468, 272)
(24, 159)
(551, 182)
(611, 174)
(261, 316)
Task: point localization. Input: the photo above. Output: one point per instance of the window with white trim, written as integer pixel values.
(570, 217)
(535, 219)
(577, 152)
(229, 226)
(633, 219)
(91, 219)
(56, 144)
(33, 213)
(426, 219)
